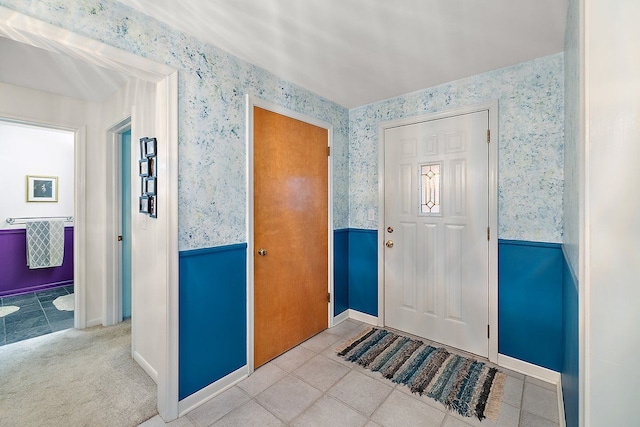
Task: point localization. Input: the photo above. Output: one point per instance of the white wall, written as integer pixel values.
(148, 276)
(612, 313)
(29, 150)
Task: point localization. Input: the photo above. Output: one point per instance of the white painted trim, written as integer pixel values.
(529, 369)
(93, 322)
(252, 101)
(341, 317)
(202, 396)
(112, 292)
(584, 213)
(561, 415)
(26, 29)
(146, 366)
(363, 317)
(250, 233)
(492, 108)
(168, 392)
(80, 229)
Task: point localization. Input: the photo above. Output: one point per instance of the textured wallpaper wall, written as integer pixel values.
(212, 85)
(531, 117)
(212, 145)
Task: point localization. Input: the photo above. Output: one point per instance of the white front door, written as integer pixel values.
(436, 259)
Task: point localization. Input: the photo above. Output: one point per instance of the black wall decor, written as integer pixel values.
(148, 177)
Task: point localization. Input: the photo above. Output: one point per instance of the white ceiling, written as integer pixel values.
(40, 69)
(355, 52)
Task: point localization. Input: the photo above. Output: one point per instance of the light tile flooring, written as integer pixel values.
(311, 386)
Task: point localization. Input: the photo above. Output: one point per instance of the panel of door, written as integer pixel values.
(436, 259)
(290, 233)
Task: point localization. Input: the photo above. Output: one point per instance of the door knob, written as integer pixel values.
(262, 252)
(389, 243)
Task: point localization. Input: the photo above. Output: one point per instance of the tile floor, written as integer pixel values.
(311, 386)
(37, 315)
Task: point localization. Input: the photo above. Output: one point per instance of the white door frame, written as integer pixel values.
(112, 297)
(29, 30)
(252, 101)
(492, 108)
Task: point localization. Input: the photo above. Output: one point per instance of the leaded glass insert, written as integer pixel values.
(430, 181)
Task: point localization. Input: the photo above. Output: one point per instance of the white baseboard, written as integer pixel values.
(561, 415)
(529, 369)
(363, 317)
(146, 366)
(340, 317)
(92, 322)
(191, 402)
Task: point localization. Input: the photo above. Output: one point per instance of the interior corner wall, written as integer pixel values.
(34, 106)
(530, 193)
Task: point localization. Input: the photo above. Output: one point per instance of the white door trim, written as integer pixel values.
(252, 101)
(29, 30)
(112, 295)
(492, 108)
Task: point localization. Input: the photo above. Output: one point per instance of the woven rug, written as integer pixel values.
(464, 385)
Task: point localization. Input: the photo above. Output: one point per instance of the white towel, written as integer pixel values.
(45, 244)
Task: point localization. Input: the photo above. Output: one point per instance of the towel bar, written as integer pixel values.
(24, 220)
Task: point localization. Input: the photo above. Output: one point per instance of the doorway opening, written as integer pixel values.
(120, 137)
(37, 230)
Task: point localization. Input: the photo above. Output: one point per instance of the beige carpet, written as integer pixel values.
(75, 378)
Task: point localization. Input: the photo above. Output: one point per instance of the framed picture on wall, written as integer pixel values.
(143, 167)
(149, 186)
(152, 207)
(42, 188)
(143, 148)
(144, 204)
(152, 166)
(151, 147)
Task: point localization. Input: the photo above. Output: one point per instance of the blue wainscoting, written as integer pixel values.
(570, 341)
(530, 302)
(363, 270)
(213, 312)
(340, 271)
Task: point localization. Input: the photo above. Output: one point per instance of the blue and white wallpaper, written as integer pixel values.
(531, 118)
(212, 85)
(212, 144)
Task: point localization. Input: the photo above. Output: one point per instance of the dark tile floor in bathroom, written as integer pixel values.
(37, 315)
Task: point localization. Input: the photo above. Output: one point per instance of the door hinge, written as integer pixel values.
(488, 233)
(488, 136)
(328, 297)
(328, 151)
(488, 331)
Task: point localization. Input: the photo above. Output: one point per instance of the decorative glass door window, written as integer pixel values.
(431, 188)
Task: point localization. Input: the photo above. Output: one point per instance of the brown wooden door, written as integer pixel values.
(291, 225)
